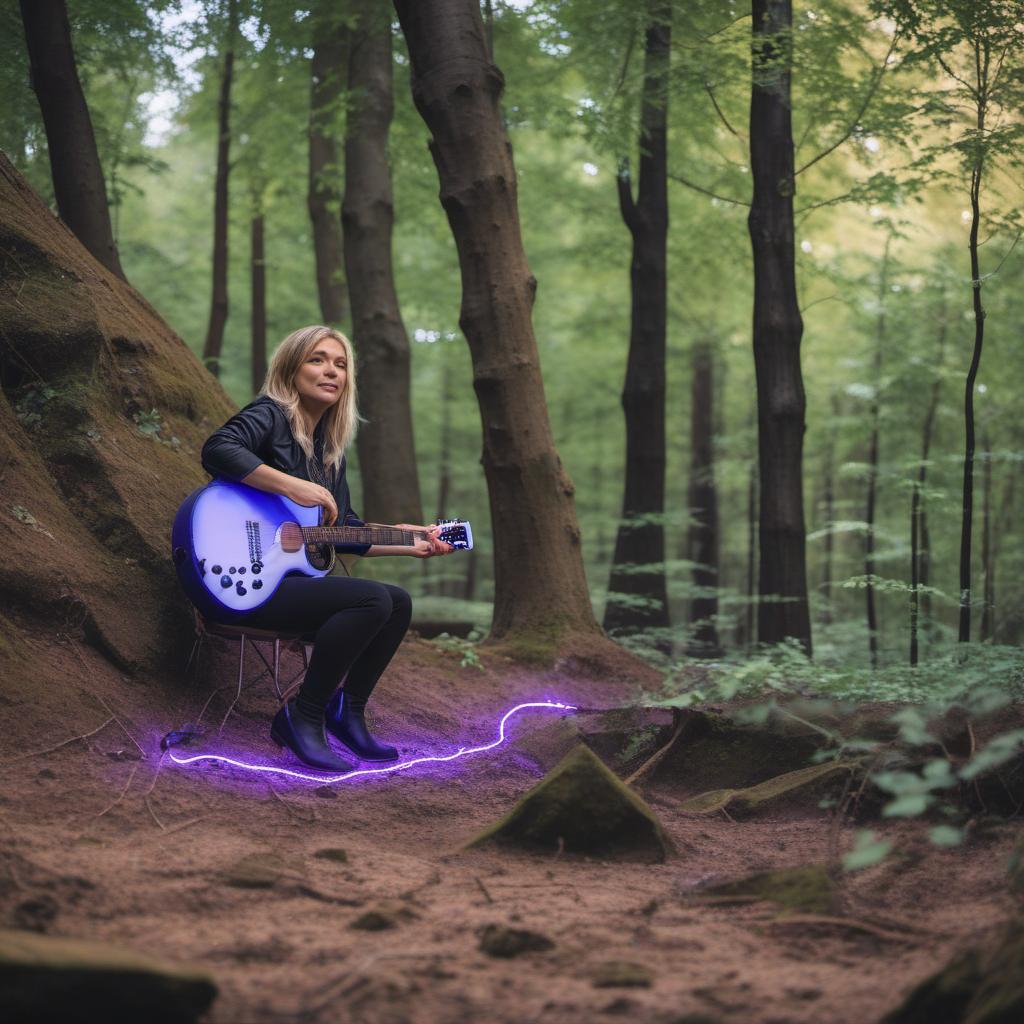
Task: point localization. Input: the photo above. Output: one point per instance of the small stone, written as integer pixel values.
(327, 792)
(335, 853)
(124, 755)
(374, 921)
(254, 871)
(37, 913)
(497, 940)
(46, 773)
(620, 974)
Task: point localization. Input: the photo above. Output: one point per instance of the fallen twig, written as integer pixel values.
(120, 796)
(108, 708)
(483, 889)
(149, 807)
(841, 922)
(658, 754)
(57, 746)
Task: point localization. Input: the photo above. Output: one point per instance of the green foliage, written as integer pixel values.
(465, 650)
(867, 851)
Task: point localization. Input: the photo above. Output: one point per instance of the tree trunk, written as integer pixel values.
(920, 603)
(873, 444)
(540, 587)
(78, 184)
(259, 301)
(972, 375)
(387, 453)
(638, 565)
(219, 298)
(987, 559)
(777, 329)
(328, 76)
(702, 500)
(752, 524)
(829, 536)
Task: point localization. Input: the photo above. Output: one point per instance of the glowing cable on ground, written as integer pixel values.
(323, 778)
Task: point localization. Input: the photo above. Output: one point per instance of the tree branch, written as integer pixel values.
(625, 188)
(718, 110)
(705, 191)
(860, 113)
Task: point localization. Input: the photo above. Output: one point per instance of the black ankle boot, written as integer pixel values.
(346, 721)
(305, 738)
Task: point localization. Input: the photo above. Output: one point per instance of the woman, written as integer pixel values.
(291, 441)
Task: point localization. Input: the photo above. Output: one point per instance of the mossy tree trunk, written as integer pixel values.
(78, 184)
(540, 587)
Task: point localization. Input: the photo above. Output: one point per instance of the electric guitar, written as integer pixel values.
(232, 544)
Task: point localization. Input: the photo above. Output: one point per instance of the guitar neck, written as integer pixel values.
(384, 535)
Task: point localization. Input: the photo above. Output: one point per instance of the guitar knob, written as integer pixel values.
(225, 581)
(257, 584)
(240, 589)
(241, 570)
(257, 568)
(216, 570)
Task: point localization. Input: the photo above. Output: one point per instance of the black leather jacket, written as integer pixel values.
(261, 434)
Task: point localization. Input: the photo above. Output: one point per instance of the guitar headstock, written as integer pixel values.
(456, 532)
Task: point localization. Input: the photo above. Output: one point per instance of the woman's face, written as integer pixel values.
(322, 376)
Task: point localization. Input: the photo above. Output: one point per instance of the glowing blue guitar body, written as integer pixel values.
(232, 545)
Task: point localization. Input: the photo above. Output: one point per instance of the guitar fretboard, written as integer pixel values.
(388, 535)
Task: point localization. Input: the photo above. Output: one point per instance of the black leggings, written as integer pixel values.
(356, 626)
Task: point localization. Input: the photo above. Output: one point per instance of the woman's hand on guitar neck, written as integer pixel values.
(426, 546)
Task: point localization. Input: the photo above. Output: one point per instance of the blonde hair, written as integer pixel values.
(341, 419)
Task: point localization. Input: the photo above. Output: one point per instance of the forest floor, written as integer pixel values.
(241, 875)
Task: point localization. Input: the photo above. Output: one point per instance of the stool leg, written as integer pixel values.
(277, 667)
(241, 665)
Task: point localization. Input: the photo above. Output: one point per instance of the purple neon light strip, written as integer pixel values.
(401, 766)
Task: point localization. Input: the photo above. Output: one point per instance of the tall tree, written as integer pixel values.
(873, 457)
(258, 292)
(387, 451)
(78, 183)
(702, 499)
(974, 43)
(778, 328)
(637, 596)
(920, 555)
(328, 73)
(540, 587)
(219, 297)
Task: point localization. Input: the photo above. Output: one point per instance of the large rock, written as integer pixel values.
(70, 981)
(582, 807)
(102, 414)
(979, 986)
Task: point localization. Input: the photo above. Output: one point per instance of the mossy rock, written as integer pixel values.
(714, 752)
(584, 807)
(806, 889)
(979, 986)
(70, 981)
(752, 797)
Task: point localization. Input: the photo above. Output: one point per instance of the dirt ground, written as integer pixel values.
(103, 838)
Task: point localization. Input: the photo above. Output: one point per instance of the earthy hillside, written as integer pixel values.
(101, 417)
